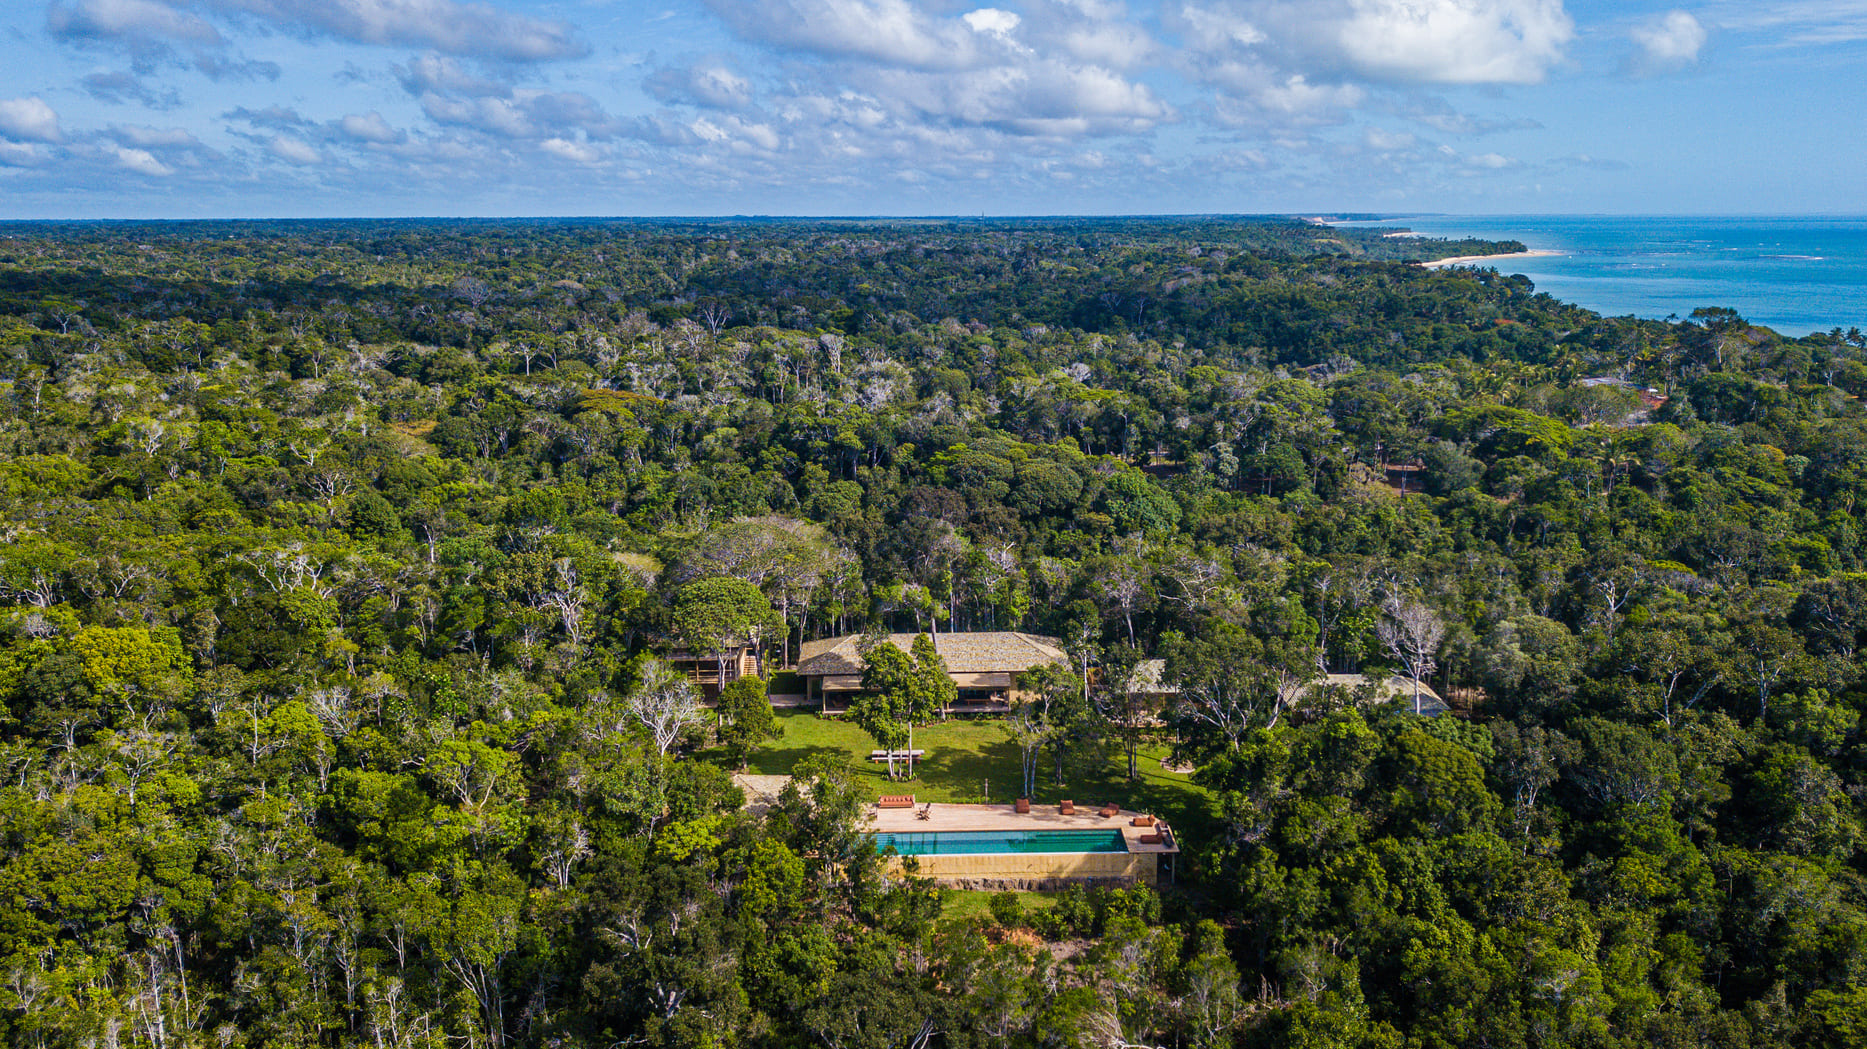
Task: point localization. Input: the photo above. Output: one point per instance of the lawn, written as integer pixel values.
(972, 760)
(961, 904)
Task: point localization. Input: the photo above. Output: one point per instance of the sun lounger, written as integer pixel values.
(895, 801)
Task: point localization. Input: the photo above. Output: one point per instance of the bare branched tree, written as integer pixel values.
(665, 704)
(714, 315)
(1412, 633)
(567, 598)
(1121, 587)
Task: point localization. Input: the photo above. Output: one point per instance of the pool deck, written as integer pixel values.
(953, 817)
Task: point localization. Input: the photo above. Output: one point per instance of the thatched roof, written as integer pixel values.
(984, 652)
(1395, 688)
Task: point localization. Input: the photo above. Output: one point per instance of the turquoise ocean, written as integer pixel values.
(1796, 275)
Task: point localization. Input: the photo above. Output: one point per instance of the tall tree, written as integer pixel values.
(1120, 695)
(745, 718)
(720, 613)
(788, 559)
(1231, 682)
(881, 707)
(1048, 710)
(899, 690)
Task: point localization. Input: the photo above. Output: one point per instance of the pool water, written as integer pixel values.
(993, 842)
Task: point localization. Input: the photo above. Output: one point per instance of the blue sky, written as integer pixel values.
(201, 108)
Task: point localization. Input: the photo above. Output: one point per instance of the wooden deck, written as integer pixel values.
(952, 817)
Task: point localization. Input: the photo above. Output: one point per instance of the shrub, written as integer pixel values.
(1007, 909)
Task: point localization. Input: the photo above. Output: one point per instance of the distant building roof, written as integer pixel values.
(1001, 651)
(1393, 688)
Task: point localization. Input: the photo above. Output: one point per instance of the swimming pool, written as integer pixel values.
(998, 842)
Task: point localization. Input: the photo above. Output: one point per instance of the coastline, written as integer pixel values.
(1654, 266)
(1470, 260)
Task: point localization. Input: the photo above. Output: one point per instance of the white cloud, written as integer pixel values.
(1454, 41)
(117, 88)
(293, 150)
(893, 32)
(141, 161)
(824, 97)
(1050, 99)
(154, 138)
(733, 132)
(275, 117)
(1111, 44)
(760, 136)
(1252, 94)
(445, 75)
(29, 119)
(1296, 96)
(711, 85)
(1092, 33)
(24, 155)
(1671, 41)
(1211, 29)
(470, 29)
(1440, 115)
(369, 127)
(1296, 64)
(1400, 41)
(495, 116)
(215, 67)
(991, 21)
(1475, 163)
(1802, 21)
(144, 20)
(1586, 160)
(576, 152)
(900, 70)
(526, 114)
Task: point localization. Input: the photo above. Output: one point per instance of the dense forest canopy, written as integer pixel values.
(337, 555)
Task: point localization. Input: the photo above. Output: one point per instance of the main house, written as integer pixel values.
(983, 666)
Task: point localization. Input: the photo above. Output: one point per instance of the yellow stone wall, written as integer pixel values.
(1033, 866)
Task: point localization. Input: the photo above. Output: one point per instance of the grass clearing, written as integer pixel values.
(963, 904)
(973, 760)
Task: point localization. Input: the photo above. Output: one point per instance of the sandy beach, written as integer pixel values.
(1468, 260)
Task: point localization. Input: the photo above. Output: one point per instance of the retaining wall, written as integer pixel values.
(1044, 867)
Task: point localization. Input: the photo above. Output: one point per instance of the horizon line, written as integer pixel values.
(1315, 215)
